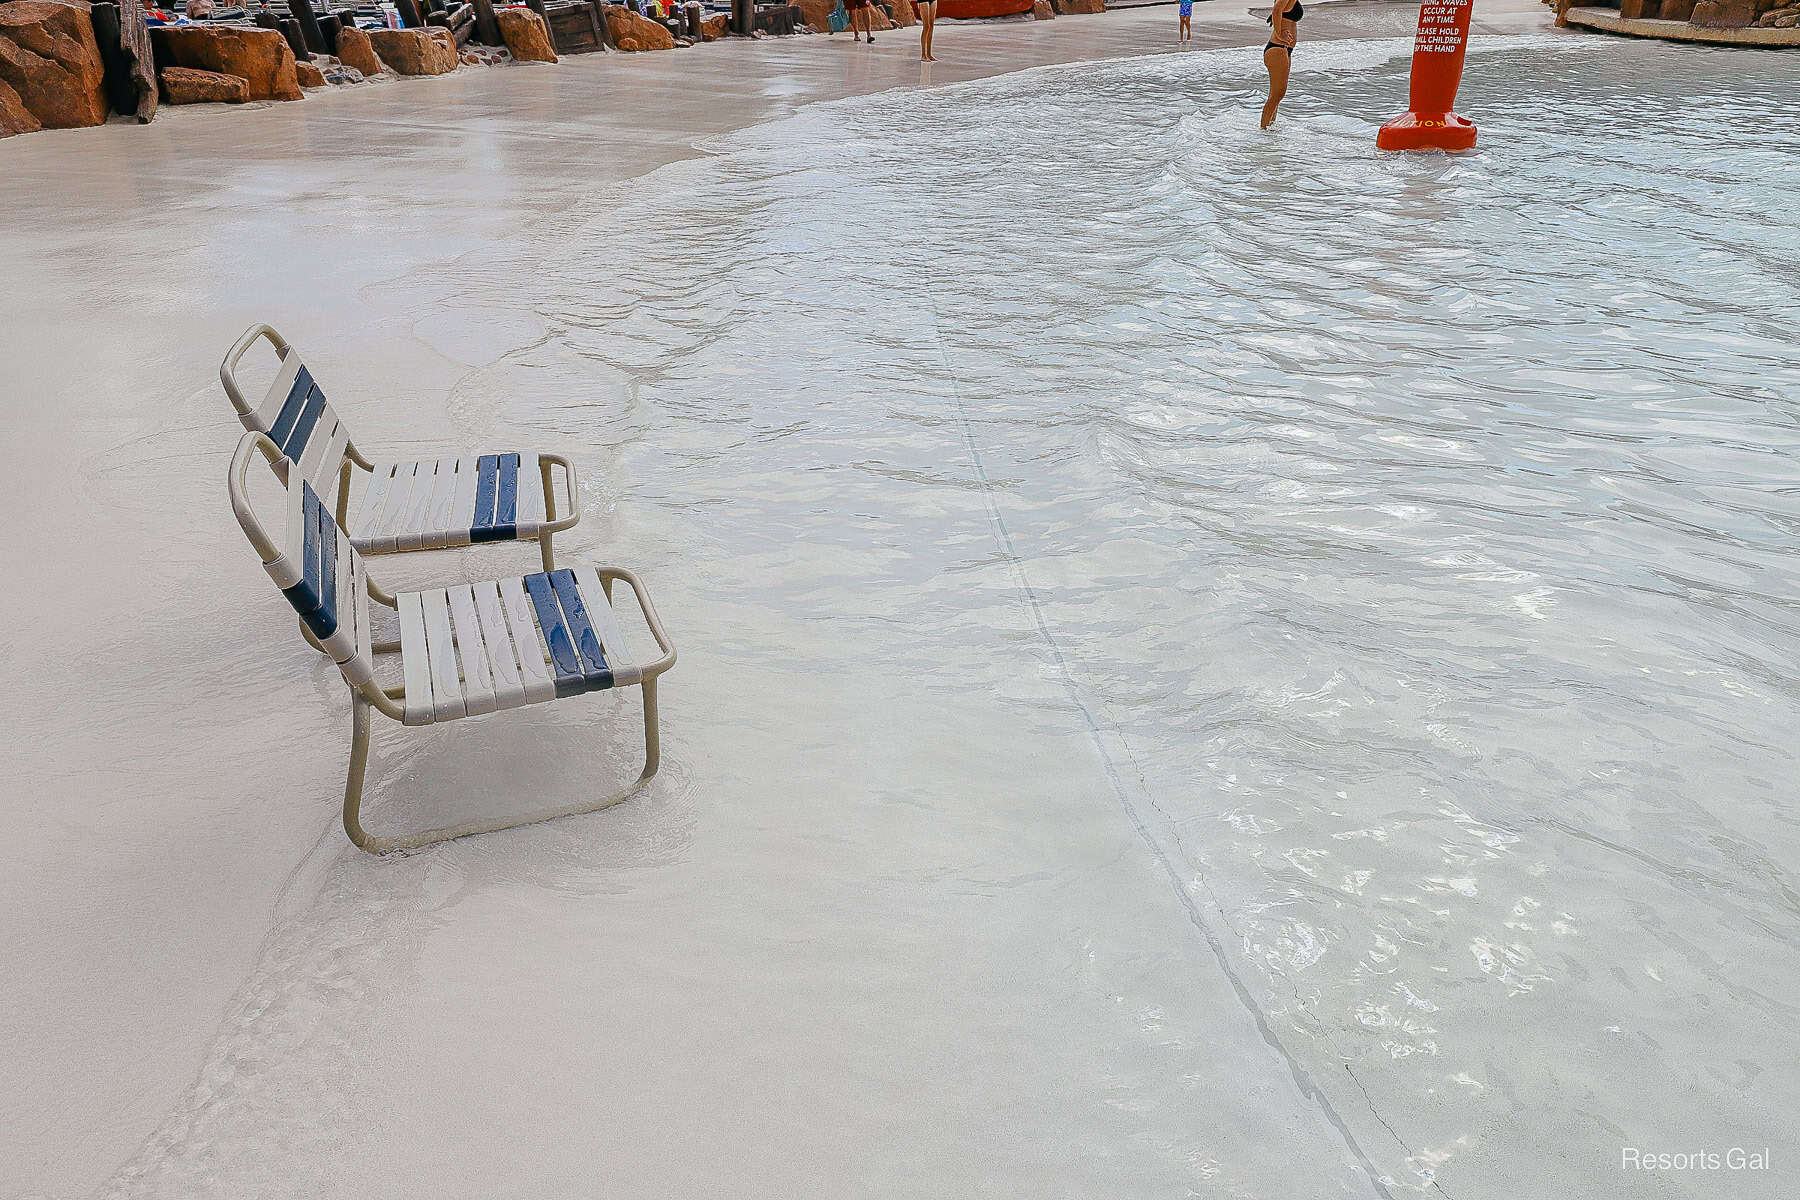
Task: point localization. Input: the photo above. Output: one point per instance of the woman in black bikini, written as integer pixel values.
(1278, 55)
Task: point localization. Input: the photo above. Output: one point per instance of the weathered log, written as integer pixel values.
(329, 28)
(126, 57)
(410, 16)
(121, 93)
(302, 11)
(457, 21)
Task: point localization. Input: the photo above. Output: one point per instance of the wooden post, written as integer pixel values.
(487, 25)
(302, 11)
(410, 16)
(290, 29)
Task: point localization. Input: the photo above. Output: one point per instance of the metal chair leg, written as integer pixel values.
(359, 759)
(359, 765)
(652, 730)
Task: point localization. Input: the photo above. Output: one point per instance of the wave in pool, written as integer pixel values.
(1417, 531)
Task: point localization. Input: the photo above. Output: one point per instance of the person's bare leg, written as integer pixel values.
(928, 14)
(1185, 32)
(1276, 59)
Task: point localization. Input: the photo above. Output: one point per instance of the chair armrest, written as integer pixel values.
(570, 512)
(651, 620)
(239, 348)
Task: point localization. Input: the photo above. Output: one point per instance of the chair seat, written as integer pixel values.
(477, 648)
(439, 503)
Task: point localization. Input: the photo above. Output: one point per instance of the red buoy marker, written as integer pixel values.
(1429, 122)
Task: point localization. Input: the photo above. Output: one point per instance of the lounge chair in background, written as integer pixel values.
(429, 504)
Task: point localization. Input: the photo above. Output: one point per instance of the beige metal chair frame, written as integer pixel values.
(390, 700)
(332, 472)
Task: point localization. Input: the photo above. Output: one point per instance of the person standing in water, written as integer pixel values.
(1278, 55)
(862, 17)
(1187, 14)
(927, 18)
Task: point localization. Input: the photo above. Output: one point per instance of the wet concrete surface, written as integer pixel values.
(172, 788)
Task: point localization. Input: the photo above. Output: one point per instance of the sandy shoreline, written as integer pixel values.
(152, 867)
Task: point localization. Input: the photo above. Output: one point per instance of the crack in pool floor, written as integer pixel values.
(1034, 604)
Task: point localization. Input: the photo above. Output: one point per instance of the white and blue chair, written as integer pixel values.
(465, 650)
(429, 504)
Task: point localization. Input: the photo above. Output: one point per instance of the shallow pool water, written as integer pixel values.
(1395, 554)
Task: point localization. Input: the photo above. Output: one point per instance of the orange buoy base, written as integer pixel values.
(1427, 131)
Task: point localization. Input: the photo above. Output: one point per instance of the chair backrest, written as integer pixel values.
(313, 564)
(294, 414)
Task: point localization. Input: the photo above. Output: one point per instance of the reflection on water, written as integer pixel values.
(1417, 532)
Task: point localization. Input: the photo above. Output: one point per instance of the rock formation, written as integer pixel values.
(14, 116)
(260, 57)
(50, 66)
(818, 14)
(525, 36)
(715, 27)
(183, 85)
(623, 25)
(1041, 11)
(1724, 14)
(355, 50)
(309, 75)
(415, 51)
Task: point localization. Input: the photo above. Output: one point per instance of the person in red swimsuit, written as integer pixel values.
(1278, 55)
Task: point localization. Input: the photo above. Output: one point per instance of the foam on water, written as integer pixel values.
(1411, 539)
